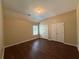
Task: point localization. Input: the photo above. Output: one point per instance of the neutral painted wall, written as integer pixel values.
(17, 28)
(1, 32)
(69, 20)
(78, 25)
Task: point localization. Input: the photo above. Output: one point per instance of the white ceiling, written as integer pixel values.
(51, 7)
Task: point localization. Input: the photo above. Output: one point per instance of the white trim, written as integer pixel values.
(65, 43)
(3, 53)
(33, 39)
(78, 25)
(71, 44)
(19, 42)
(78, 46)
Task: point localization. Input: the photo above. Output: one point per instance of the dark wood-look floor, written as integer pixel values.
(41, 49)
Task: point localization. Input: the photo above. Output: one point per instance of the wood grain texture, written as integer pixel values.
(41, 49)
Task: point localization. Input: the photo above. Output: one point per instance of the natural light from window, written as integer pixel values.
(35, 29)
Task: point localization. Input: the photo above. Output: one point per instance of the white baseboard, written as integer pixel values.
(3, 53)
(19, 42)
(35, 38)
(65, 43)
(78, 47)
(71, 44)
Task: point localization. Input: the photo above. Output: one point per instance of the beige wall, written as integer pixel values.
(1, 33)
(16, 28)
(78, 25)
(69, 20)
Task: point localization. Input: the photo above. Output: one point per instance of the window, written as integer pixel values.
(35, 29)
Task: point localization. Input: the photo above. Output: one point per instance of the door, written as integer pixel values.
(60, 32)
(57, 32)
(53, 32)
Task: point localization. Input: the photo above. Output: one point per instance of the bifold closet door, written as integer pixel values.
(53, 32)
(60, 32)
(57, 32)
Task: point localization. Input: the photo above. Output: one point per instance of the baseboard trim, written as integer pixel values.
(78, 46)
(65, 43)
(19, 42)
(33, 39)
(71, 44)
(3, 53)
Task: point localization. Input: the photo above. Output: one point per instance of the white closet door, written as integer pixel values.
(44, 31)
(60, 32)
(57, 33)
(53, 32)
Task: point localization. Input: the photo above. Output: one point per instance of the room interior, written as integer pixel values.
(39, 29)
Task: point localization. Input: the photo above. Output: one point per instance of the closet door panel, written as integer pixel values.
(60, 32)
(53, 32)
(57, 32)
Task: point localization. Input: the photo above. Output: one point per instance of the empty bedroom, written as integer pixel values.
(39, 29)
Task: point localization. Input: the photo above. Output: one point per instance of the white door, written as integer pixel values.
(43, 31)
(57, 33)
(53, 32)
(60, 32)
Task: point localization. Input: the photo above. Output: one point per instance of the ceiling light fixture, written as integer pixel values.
(39, 10)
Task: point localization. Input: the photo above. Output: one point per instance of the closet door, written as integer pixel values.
(43, 31)
(57, 32)
(60, 32)
(53, 32)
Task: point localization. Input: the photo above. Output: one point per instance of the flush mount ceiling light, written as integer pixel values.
(39, 10)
